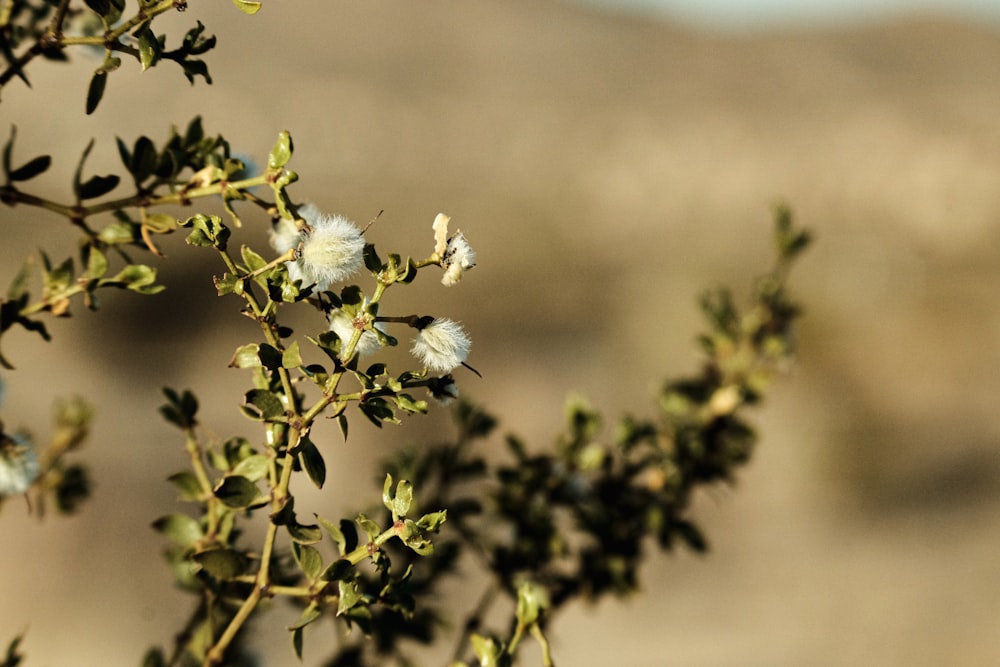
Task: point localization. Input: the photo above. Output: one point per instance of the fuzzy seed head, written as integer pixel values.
(330, 249)
(442, 345)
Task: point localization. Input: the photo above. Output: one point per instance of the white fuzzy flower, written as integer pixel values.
(456, 254)
(441, 345)
(344, 326)
(18, 464)
(285, 235)
(458, 258)
(330, 250)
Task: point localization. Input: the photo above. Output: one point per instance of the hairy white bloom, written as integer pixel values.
(285, 235)
(330, 250)
(457, 259)
(456, 254)
(343, 325)
(18, 464)
(441, 345)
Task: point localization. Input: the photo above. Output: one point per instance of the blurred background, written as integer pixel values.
(607, 160)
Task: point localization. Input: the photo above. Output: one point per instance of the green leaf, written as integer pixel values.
(303, 534)
(100, 7)
(188, 486)
(136, 277)
(691, 535)
(118, 233)
(31, 169)
(403, 499)
(269, 356)
(253, 467)
(160, 223)
(193, 68)
(236, 491)
(97, 263)
(350, 595)
(194, 44)
(313, 463)
(180, 408)
(263, 405)
(246, 356)
(486, 649)
(143, 161)
(247, 6)
(281, 153)
(227, 284)
(336, 534)
(149, 46)
(532, 600)
(8, 149)
(207, 231)
(222, 564)
(291, 358)
(342, 422)
(432, 521)
(338, 570)
(369, 527)
(309, 559)
(180, 528)
(372, 261)
(95, 91)
(252, 260)
(378, 410)
(100, 80)
(310, 614)
(154, 658)
(387, 492)
(409, 404)
(13, 657)
(97, 186)
(297, 642)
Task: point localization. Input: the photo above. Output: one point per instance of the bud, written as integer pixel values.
(18, 464)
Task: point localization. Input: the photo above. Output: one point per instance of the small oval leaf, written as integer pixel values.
(236, 491)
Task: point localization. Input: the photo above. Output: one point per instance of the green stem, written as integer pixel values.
(144, 15)
(539, 636)
(11, 195)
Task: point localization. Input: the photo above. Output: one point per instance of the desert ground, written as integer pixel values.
(606, 168)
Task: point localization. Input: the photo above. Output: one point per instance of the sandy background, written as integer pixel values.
(605, 169)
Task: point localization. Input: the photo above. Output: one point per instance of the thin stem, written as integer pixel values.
(543, 641)
(11, 195)
(55, 25)
(144, 15)
(474, 619)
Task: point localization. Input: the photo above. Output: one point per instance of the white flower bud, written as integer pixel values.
(443, 389)
(18, 464)
(442, 345)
